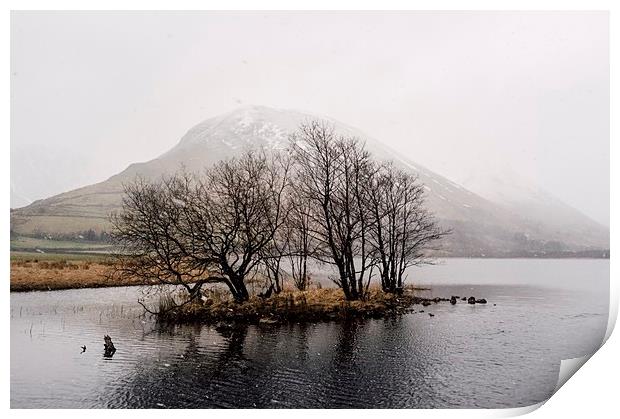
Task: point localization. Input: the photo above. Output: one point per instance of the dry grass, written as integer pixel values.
(295, 306)
(32, 274)
(29, 273)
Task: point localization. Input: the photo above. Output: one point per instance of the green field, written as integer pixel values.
(55, 257)
(29, 248)
(30, 243)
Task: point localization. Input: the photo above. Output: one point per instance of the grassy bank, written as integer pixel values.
(48, 271)
(293, 306)
(30, 272)
(29, 256)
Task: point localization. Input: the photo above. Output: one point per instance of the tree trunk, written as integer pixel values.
(238, 290)
(242, 291)
(276, 278)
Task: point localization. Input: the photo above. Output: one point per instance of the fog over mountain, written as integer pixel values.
(459, 92)
(533, 222)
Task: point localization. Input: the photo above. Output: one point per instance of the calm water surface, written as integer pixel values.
(503, 355)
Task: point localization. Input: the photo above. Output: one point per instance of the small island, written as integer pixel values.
(262, 217)
(326, 304)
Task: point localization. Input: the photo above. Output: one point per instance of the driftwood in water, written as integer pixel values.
(108, 347)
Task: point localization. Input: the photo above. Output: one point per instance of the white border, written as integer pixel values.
(591, 393)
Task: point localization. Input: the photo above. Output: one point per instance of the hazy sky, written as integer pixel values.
(468, 95)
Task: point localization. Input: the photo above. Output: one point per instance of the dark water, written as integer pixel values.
(506, 355)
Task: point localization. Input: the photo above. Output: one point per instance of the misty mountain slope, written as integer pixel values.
(537, 207)
(479, 226)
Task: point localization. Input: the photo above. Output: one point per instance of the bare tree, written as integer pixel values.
(190, 231)
(299, 240)
(402, 230)
(279, 247)
(292, 243)
(150, 235)
(331, 173)
(238, 210)
(272, 256)
(329, 201)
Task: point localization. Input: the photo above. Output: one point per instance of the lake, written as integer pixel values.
(503, 354)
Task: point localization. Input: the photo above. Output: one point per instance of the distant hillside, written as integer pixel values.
(481, 227)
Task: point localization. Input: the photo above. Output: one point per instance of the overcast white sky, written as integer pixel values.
(465, 94)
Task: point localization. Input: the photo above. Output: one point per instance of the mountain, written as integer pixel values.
(511, 191)
(480, 227)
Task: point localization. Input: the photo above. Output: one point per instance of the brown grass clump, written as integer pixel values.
(293, 306)
(30, 275)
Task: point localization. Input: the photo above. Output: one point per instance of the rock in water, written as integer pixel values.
(471, 300)
(481, 301)
(453, 300)
(108, 347)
